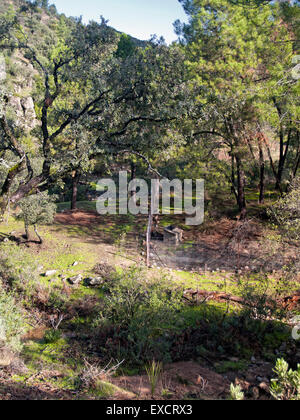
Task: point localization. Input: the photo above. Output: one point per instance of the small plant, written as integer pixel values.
(165, 393)
(92, 375)
(287, 384)
(236, 393)
(52, 336)
(154, 371)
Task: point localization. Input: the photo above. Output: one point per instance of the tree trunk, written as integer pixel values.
(241, 188)
(75, 181)
(297, 166)
(281, 162)
(27, 232)
(148, 238)
(233, 184)
(38, 235)
(262, 175)
(272, 165)
(297, 162)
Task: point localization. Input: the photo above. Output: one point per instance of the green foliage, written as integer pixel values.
(286, 212)
(17, 269)
(12, 323)
(236, 393)
(287, 384)
(126, 47)
(246, 88)
(227, 366)
(261, 298)
(82, 73)
(154, 371)
(52, 336)
(38, 209)
(132, 297)
(143, 315)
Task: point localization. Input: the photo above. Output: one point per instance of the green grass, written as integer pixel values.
(81, 205)
(231, 366)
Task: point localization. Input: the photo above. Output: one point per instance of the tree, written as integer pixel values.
(239, 55)
(37, 210)
(286, 212)
(126, 47)
(81, 86)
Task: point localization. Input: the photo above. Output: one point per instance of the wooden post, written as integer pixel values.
(153, 199)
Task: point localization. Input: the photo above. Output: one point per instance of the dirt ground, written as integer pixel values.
(179, 381)
(223, 245)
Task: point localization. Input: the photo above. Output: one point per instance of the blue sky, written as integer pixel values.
(139, 18)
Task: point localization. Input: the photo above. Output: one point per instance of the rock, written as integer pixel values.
(75, 280)
(50, 273)
(253, 359)
(264, 387)
(75, 264)
(6, 357)
(255, 392)
(94, 282)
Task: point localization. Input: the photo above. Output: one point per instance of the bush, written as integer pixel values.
(52, 336)
(143, 316)
(261, 301)
(287, 384)
(12, 324)
(144, 320)
(17, 270)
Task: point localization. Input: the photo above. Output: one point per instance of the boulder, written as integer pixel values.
(94, 281)
(50, 273)
(76, 280)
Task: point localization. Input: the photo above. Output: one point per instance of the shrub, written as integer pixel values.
(17, 270)
(287, 384)
(12, 324)
(52, 336)
(260, 298)
(143, 316)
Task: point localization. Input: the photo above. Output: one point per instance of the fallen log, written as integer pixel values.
(205, 296)
(202, 296)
